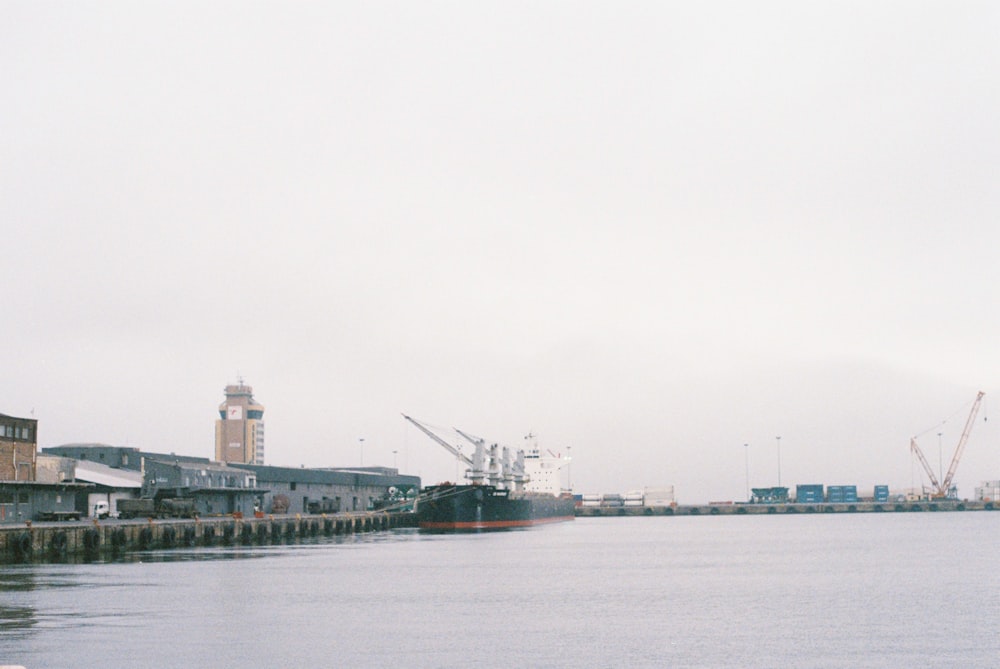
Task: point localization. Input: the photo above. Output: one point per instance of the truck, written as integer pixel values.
(175, 507)
(143, 507)
(102, 510)
(146, 507)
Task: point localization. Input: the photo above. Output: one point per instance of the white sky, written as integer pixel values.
(652, 232)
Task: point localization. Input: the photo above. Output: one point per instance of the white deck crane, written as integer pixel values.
(476, 472)
(945, 489)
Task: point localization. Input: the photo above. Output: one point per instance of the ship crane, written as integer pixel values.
(476, 471)
(511, 473)
(495, 472)
(944, 489)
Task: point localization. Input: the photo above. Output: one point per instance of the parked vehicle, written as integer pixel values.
(168, 507)
(136, 508)
(102, 510)
(175, 507)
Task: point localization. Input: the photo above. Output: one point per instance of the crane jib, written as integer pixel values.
(943, 489)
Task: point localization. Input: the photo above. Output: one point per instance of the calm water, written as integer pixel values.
(886, 590)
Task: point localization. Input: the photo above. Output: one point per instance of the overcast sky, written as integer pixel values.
(648, 232)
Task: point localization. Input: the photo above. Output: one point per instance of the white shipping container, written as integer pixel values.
(661, 496)
(990, 494)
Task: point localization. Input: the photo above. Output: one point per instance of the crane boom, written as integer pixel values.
(944, 488)
(946, 484)
(923, 461)
(475, 441)
(451, 449)
(478, 471)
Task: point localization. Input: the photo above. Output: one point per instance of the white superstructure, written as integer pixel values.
(542, 469)
(529, 470)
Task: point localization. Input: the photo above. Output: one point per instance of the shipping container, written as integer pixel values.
(612, 499)
(811, 493)
(988, 493)
(881, 493)
(659, 496)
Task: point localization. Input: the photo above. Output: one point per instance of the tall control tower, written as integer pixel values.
(239, 432)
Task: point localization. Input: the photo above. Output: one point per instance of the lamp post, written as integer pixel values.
(940, 460)
(569, 467)
(361, 441)
(394, 459)
(779, 460)
(746, 451)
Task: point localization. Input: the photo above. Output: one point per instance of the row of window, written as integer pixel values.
(15, 432)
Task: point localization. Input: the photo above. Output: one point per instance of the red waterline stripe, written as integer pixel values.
(482, 525)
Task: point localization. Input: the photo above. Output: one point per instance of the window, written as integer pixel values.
(291, 486)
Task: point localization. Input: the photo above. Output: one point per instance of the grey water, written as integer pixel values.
(871, 590)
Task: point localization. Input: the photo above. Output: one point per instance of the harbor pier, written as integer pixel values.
(786, 509)
(55, 541)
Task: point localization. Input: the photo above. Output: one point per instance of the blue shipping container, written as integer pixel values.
(809, 493)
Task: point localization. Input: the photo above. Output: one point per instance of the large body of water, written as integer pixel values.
(872, 590)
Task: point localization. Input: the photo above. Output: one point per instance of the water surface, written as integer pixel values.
(827, 590)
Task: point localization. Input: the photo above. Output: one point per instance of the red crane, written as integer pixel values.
(945, 489)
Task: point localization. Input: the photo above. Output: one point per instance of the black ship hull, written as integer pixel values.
(449, 507)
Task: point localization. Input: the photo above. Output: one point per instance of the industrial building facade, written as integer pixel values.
(239, 431)
(300, 490)
(18, 439)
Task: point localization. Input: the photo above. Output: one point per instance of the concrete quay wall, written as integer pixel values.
(98, 539)
(785, 509)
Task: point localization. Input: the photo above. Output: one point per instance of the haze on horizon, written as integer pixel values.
(650, 232)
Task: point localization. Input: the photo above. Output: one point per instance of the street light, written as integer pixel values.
(746, 451)
(394, 459)
(940, 459)
(569, 467)
(779, 460)
(362, 442)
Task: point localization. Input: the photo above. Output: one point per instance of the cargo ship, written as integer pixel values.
(505, 490)
(450, 507)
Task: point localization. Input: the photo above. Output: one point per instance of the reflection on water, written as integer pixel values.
(19, 618)
(686, 592)
(15, 619)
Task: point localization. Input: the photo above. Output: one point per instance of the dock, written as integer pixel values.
(785, 509)
(102, 539)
